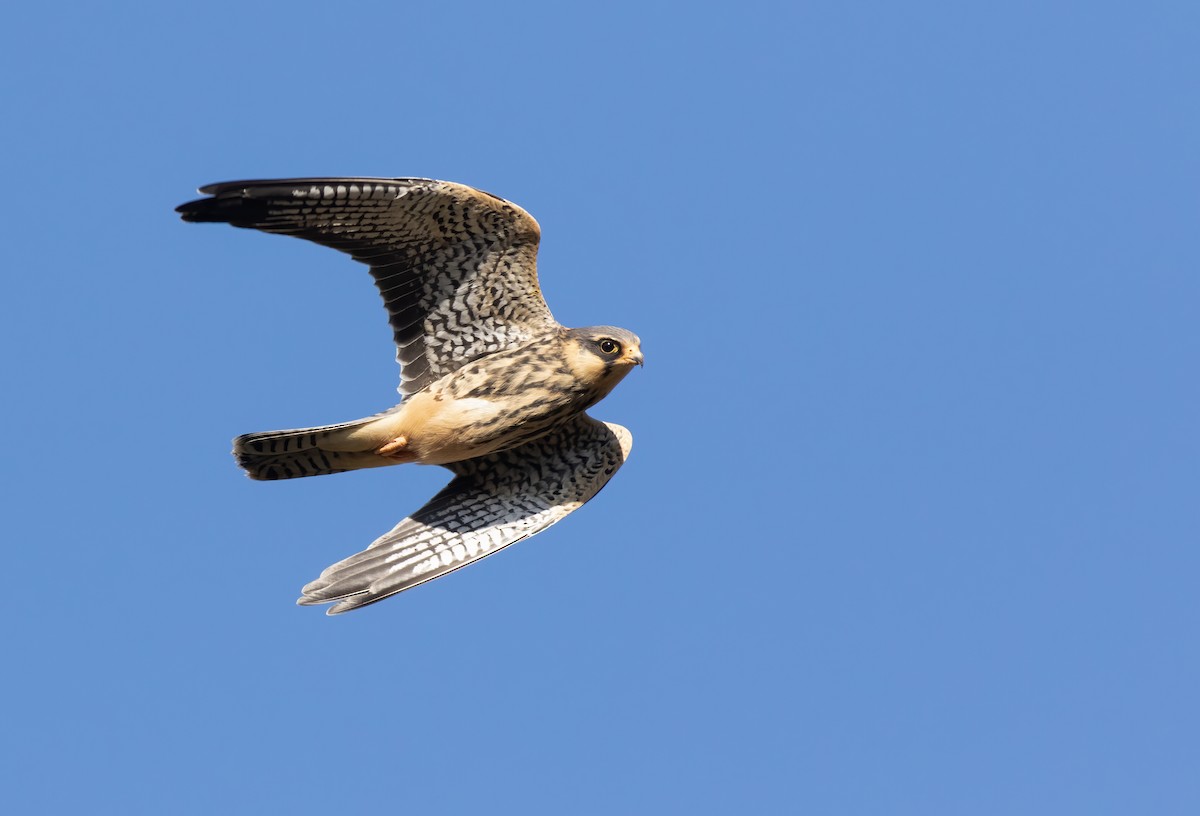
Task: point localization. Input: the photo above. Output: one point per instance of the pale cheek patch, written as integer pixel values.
(586, 367)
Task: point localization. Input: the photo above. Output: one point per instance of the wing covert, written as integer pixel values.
(456, 267)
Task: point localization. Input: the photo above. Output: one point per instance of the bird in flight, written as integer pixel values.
(491, 386)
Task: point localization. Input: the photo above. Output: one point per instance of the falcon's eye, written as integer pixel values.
(609, 346)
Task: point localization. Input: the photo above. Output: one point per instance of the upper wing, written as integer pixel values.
(494, 501)
(457, 267)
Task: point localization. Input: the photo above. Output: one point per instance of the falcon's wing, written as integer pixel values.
(494, 501)
(457, 267)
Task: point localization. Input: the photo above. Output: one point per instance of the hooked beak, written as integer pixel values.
(637, 358)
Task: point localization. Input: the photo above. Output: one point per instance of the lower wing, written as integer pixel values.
(494, 501)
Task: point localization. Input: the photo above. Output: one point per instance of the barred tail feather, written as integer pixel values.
(295, 453)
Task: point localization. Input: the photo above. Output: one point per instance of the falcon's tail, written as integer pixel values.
(300, 452)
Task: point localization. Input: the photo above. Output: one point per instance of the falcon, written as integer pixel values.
(491, 386)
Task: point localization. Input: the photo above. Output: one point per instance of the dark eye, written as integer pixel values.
(609, 346)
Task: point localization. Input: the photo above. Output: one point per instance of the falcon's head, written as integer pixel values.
(603, 355)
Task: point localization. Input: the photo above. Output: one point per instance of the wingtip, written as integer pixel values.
(201, 209)
(224, 208)
(190, 209)
(336, 609)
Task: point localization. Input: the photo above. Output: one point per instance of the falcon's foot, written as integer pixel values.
(396, 449)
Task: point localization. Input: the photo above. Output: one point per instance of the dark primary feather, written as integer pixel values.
(494, 501)
(456, 267)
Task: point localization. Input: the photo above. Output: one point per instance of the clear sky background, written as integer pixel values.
(910, 525)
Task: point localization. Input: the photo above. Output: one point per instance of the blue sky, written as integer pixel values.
(911, 520)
